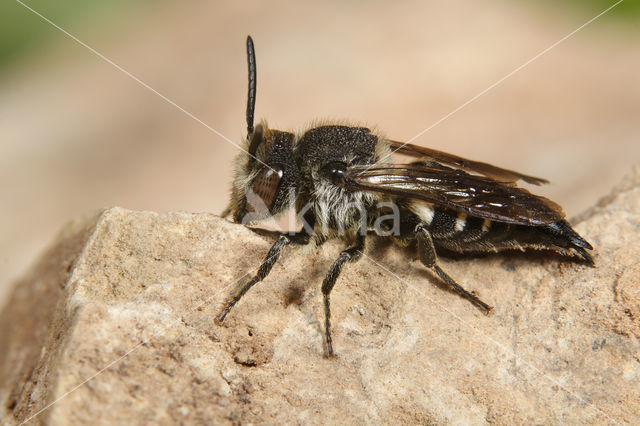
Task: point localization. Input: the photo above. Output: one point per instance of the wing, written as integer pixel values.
(455, 189)
(493, 172)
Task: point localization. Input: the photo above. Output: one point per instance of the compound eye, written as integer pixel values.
(266, 184)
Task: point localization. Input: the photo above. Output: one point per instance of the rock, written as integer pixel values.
(116, 323)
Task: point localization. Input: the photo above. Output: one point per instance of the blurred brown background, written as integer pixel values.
(78, 134)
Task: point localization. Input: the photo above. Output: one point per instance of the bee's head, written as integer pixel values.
(266, 171)
(266, 176)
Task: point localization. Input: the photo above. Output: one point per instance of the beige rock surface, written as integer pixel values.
(116, 323)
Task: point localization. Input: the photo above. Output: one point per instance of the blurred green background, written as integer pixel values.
(78, 134)
(21, 35)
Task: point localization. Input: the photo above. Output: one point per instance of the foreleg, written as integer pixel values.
(273, 255)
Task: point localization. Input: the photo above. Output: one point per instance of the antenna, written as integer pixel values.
(251, 96)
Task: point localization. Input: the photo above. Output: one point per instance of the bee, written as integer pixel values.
(342, 183)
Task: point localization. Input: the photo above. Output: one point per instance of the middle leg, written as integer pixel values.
(351, 254)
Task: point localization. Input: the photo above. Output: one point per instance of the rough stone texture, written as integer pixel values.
(128, 299)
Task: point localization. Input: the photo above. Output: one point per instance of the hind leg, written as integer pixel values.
(429, 258)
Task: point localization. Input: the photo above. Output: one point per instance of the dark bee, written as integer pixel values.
(342, 184)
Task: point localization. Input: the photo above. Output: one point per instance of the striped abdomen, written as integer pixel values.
(462, 233)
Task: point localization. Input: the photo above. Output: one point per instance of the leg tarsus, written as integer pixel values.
(327, 325)
(237, 297)
(461, 291)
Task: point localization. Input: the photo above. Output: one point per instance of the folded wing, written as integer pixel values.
(474, 195)
(488, 170)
